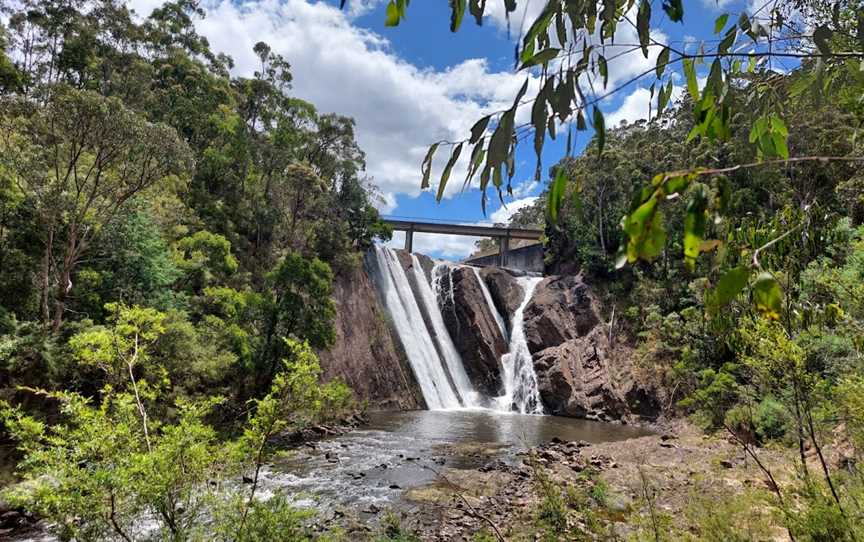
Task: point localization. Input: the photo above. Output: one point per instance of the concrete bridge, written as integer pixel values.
(502, 234)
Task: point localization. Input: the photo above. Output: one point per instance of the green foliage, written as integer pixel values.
(206, 259)
(393, 531)
(105, 467)
(298, 306)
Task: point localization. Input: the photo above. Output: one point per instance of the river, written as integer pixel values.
(398, 451)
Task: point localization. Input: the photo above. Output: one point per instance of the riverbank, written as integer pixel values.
(677, 481)
(475, 476)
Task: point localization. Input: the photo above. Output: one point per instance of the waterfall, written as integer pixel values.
(488, 297)
(446, 348)
(415, 311)
(521, 393)
(419, 344)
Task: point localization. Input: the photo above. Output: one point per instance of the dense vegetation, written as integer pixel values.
(780, 368)
(169, 235)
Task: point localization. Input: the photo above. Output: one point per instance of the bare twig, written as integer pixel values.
(775, 487)
(650, 500)
(473, 510)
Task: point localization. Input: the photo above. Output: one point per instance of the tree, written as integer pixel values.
(298, 306)
(80, 159)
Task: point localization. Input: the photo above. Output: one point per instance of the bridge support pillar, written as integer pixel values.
(503, 249)
(409, 240)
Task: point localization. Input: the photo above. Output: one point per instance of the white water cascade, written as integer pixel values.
(521, 392)
(491, 304)
(413, 305)
(447, 350)
(439, 391)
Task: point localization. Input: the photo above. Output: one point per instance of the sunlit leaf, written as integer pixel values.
(391, 17)
(445, 176)
(542, 57)
(457, 12)
(690, 74)
(767, 296)
(730, 285)
(720, 23)
(695, 220)
(599, 129)
(556, 194)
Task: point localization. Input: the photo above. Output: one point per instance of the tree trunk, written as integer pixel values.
(46, 278)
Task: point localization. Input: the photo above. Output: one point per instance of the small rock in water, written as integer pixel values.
(372, 509)
(395, 486)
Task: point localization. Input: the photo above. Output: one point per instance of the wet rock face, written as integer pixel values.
(560, 310)
(366, 353)
(505, 291)
(575, 379)
(473, 328)
(581, 373)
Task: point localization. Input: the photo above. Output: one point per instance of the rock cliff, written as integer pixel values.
(505, 291)
(474, 330)
(582, 369)
(366, 354)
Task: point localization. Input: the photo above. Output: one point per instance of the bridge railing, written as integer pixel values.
(502, 233)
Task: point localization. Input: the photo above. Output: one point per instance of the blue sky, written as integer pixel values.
(411, 85)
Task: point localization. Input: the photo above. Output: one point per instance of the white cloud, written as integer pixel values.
(449, 247)
(718, 4)
(525, 188)
(637, 105)
(504, 214)
(400, 108)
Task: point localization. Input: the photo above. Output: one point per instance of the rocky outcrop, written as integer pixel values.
(581, 370)
(560, 310)
(367, 354)
(473, 328)
(505, 291)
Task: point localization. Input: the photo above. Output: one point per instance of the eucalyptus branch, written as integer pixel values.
(473, 510)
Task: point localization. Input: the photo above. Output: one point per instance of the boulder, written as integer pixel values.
(560, 309)
(473, 328)
(506, 293)
(579, 372)
(574, 379)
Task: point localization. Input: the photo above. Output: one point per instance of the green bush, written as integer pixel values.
(771, 420)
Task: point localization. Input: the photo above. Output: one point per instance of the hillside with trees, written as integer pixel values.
(170, 235)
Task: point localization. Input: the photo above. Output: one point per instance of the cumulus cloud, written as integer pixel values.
(637, 105)
(400, 108)
(505, 214)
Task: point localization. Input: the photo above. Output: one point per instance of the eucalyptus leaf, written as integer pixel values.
(445, 176)
(599, 129)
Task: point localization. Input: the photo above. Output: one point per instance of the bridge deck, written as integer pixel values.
(463, 229)
(504, 235)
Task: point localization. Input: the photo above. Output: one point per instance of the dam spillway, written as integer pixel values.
(413, 302)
